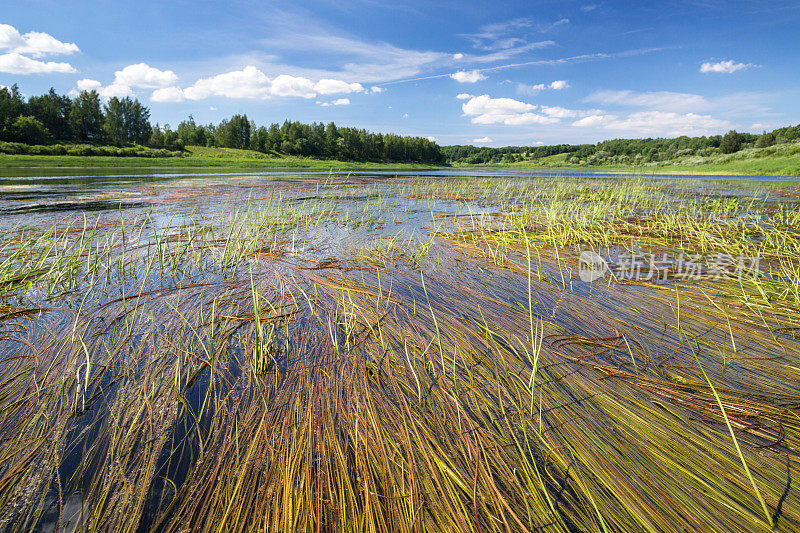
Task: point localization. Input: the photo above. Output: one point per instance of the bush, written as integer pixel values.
(81, 150)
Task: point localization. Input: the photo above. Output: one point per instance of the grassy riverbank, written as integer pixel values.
(780, 160)
(766, 162)
(194, 157)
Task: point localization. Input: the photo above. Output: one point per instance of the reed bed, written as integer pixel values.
(238, 368)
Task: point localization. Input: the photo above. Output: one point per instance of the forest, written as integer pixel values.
(624, 151)
(54, 124)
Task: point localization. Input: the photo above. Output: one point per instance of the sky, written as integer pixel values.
(461, 72)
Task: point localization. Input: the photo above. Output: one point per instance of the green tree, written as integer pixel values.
(29, 130)
(156, 137)
(187, 132)
(234, 133)
(766, 139)
(11, 106)
(731, 143)
(52, 110)
(127, 121)
(86, 117)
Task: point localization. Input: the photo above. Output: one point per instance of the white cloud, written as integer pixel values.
(724, 67)
(405, 115)
(329, 86)
(484, 104)
(144, 76)
(15, 63)
(482, 140)
(487, 110)
(376, 89)
(33, 43)
(432, 139)
(556, 85)
(338, 101)
(464, 96)
(468, 77)
(87, 84)
(246, 83)
(537, 143)
(285, 85)
(250, 82)
(560, 112)
(591, 120)
(656, 123)
(115, 90)
(530, 89)
(457, 57)
(139, 75)
(168, 94)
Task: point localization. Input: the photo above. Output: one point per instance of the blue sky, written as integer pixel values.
(493, 73)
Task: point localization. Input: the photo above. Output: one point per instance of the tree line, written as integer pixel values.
(625, 151)
(52, 118)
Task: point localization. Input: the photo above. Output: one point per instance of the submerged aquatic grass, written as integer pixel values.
(416, 354)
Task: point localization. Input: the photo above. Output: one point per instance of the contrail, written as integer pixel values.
(572, 59)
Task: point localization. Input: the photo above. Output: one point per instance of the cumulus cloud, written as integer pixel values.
(464, 96)
(33, 43)
(250, 82)
(472, 76)
(482, 140)
(88, 84)
(329, 86)
(432, 139)
(457, 57)
(484, 109)
(246, 83)
(168, 95)
(724, 67)
(117, 90)
(285, 85)
(656, 123)
(16, 63)
(144, 76)
(559, 84)
(137, 76)
(376, 89)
